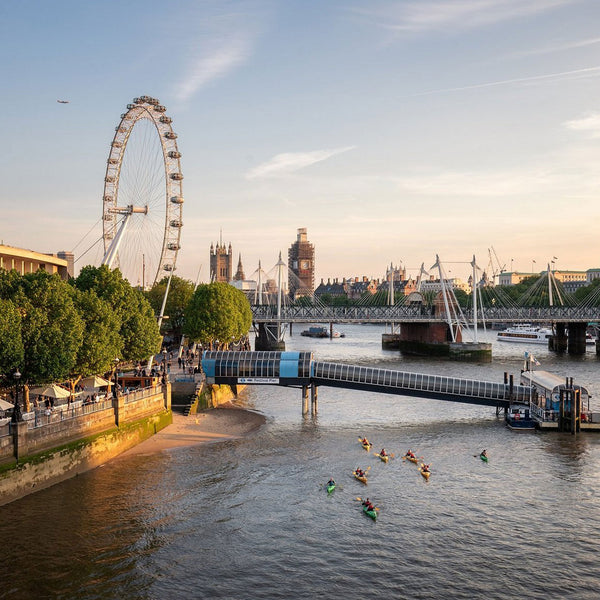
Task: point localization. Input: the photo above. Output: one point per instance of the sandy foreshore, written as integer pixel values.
(225, 422)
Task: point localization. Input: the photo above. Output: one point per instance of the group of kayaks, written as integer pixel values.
(360, 475)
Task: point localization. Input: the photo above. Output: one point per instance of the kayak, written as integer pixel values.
(425, 474)
(370, 513)
(483, 458)
(383, 458)
(367, 447)
(413, 460)
(361, 478)
(330, 488)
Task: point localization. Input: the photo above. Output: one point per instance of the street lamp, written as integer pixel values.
(17, 416)
(116, 361)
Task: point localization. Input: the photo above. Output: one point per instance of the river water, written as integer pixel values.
(250, 518)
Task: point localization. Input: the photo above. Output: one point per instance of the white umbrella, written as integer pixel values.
(93, 382)
(4, 405)
(53, 391)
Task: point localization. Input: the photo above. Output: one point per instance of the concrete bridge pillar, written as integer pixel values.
(576, 341)
(314, 399)
(304, 399)
(558, 342)
(267, 338)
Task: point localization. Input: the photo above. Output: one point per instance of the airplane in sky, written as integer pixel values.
(63, 101)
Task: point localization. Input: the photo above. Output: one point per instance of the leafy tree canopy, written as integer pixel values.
(11, 348)
(180, 294)
(217, 311)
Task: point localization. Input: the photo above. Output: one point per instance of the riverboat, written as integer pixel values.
(545, 395)
(525, 334)
(321, 332)
(519, 417)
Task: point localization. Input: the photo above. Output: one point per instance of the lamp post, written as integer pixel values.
(164, 360)
(16, 415)
(116, 384)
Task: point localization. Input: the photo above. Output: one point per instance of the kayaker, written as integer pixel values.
(483, 453)
(368, 505)
(365, 442)
(383, 452)
(425, 468)
(410, 454)
(331, 482)
(359, 472)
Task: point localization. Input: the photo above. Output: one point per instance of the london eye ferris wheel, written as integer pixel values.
(143, 198)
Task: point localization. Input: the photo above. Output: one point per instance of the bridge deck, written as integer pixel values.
(299, 369)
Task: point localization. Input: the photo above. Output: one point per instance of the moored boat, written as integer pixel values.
(525, 333)
(518, 418)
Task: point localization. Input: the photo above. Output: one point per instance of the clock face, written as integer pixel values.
(304, 264)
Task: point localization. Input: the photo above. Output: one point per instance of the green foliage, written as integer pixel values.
(180, 294)
(138, 327)
(217, 311)
(11, 348)
(51, 326)
(589, 294)
(101, 339)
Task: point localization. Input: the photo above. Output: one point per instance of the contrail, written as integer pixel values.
(507, 81)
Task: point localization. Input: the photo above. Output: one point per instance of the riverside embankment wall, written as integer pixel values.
(38, 455)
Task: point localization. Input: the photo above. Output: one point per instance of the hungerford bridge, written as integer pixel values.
(437, 327)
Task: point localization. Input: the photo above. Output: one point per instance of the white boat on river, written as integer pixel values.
(525, 333)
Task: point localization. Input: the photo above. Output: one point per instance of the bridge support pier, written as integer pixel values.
(314, 399)
(558, 342)
(304, 399)
(267, 338)
(576, 342)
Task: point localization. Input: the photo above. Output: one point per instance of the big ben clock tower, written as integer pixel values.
(301, 266)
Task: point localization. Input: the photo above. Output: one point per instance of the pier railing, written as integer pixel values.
(438, 385)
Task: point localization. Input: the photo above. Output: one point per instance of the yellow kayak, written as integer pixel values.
(367, 447)
(361, 478)
(412, 459)
(425, 474)
(385, 458)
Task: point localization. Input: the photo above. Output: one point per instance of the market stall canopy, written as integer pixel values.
(53, 391)
(93, 382)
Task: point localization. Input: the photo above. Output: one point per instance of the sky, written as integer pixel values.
(394, 131)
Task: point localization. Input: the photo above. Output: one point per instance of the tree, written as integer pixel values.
(138, 326)
(101, 339)
(217, 311)
(11, 348)
(180, 294)
(52, 328)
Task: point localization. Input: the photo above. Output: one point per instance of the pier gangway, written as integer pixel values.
(299, 369)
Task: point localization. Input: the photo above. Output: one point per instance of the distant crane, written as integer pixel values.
(495, 264)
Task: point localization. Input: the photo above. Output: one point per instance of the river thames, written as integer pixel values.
(250, 518)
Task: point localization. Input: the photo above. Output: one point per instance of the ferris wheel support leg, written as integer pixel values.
(113, 249)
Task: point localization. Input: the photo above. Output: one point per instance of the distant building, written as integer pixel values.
(301, 266)
(221, 262)
(434, 285)
(592, 274)
(28, 261)
(333, 289)
(513, 277)
(239, 274)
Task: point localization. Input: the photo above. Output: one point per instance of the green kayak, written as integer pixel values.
(483, 457)
(370, 513)
(330, 488)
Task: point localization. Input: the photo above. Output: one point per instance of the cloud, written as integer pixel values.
(588, 124)
(289, 162)
(454, 15)
(557, 47)
(216, 63)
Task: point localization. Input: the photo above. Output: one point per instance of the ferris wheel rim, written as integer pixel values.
(150, 109)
